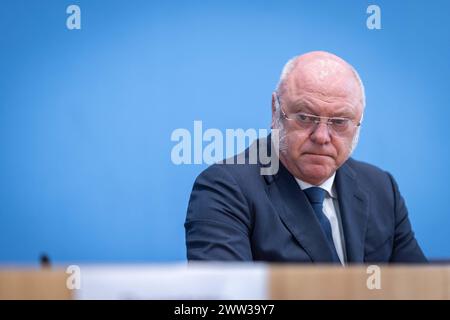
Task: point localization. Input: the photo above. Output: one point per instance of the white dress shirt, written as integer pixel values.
(330, 209)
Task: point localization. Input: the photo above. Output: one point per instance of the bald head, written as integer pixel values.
(322, 73)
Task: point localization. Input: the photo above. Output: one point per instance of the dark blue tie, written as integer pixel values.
(316, 196)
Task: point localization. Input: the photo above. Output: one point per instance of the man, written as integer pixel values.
(321, 206)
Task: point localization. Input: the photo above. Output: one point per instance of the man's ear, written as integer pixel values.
(274, 109)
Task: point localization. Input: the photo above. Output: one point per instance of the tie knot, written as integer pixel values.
(315, 195)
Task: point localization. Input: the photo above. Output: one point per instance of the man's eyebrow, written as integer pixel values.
(343, 114)
(303, 106)
(306, 107)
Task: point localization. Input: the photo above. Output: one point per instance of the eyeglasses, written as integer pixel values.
(309, 121)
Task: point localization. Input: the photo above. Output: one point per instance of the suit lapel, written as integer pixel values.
(297, 215)
(353, 204)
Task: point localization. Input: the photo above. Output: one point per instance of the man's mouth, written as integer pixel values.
(317, 154)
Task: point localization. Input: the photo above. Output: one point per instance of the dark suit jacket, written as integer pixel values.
(235, 213)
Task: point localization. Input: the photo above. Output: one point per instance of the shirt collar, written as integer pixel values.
(327, 185)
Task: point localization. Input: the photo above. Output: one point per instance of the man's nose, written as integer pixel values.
(321, 134)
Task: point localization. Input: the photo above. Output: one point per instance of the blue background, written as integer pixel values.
(86, 115)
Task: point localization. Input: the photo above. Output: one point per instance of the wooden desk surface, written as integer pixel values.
(396, 282)
(30, 284)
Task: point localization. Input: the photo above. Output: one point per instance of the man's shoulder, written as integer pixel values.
(362, 166)
(242, 166)
(368, 173)
(234, 171)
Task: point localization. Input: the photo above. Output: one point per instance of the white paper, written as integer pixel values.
(175, 281)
